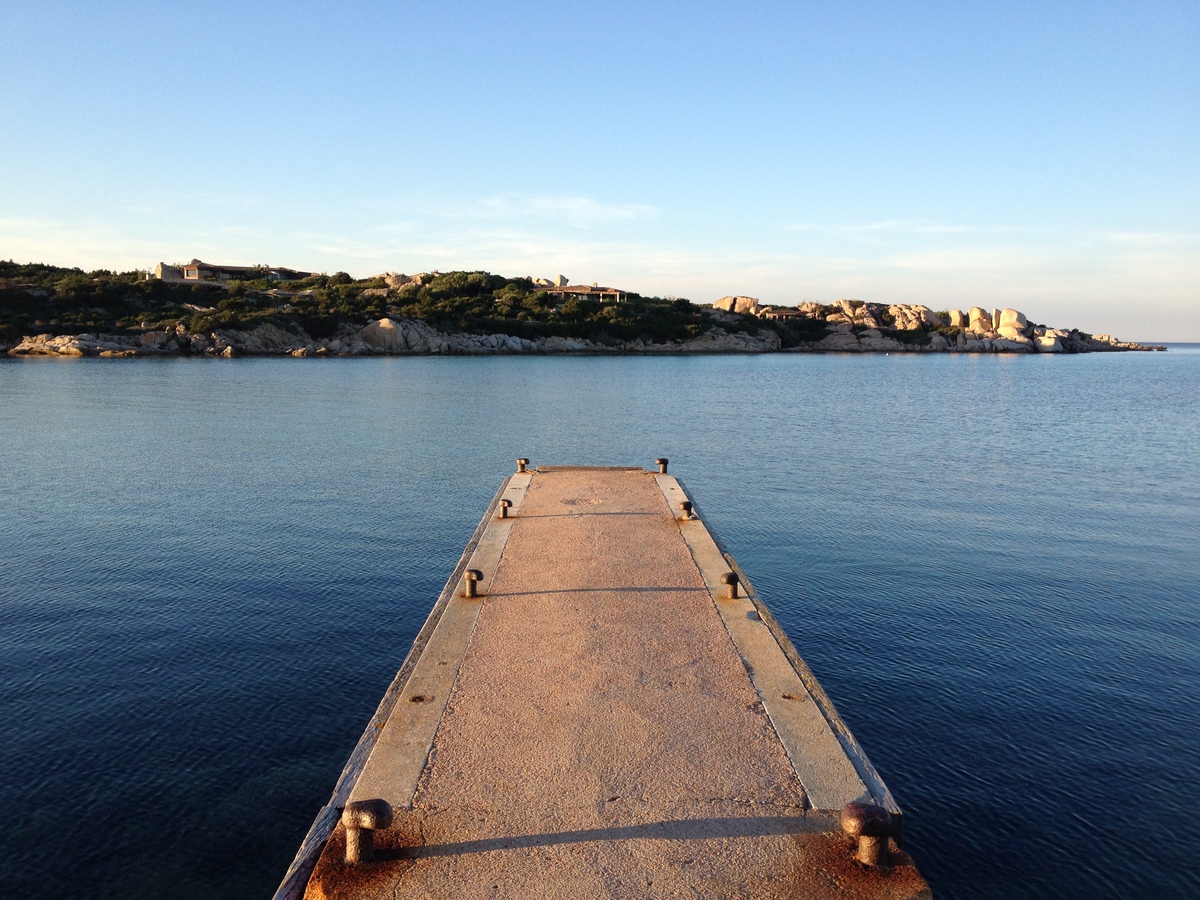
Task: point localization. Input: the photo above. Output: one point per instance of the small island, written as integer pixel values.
(213, 310)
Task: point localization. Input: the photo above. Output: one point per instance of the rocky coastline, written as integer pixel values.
(218, 311)
(854, 330)
(847, 326)
(385, 337)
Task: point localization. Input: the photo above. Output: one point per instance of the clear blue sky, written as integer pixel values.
(1038, 155)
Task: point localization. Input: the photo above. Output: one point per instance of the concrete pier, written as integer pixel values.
(603, 719)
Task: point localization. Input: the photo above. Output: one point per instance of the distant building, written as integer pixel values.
(595, 292)
(781, 312)
(202, 271)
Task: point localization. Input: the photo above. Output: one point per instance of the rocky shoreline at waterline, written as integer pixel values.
(385, 337)
(849, 328)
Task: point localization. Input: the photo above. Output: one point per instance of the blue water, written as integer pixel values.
(211, 569)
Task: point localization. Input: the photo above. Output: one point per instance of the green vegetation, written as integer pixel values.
(480, 303)
(42, 299)
(792, 332)
(917, 337)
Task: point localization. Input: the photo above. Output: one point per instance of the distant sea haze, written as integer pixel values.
(212, 570)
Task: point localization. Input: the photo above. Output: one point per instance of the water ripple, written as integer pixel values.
(212, 570)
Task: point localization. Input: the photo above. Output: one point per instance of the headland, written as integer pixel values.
(204, 310)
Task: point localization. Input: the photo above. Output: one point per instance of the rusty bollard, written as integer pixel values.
(471, 576)
(505, 506)
(362, 818)
(872, 825)
(661, 462)
(522, 462)
(685, 509)
(731, 579)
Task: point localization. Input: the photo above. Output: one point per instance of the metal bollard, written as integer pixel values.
(505, 506)
(522, 462)
(362, 818)
(872, 825)
(731, 579)
(472, 576)
(661, 462)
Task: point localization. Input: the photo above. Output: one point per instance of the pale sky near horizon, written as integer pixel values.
(1036, 155)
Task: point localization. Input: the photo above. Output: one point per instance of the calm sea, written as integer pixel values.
(211, 569)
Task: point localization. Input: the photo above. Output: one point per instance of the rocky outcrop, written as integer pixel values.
(874, 341)
(979, 320)
(385, 337)
(717, 340)
(402, 337)
(898, 316)
(1011, 318)
(912, 318)
(844, 312)
(854, 326)
(847, 326)
(1012, 345)
(82, 345)
(745, 305)
(840, 342)
(1048, 343)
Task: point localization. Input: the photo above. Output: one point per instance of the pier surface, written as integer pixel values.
(603, 720)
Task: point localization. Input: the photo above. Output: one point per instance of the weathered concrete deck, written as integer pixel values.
(602, 721)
